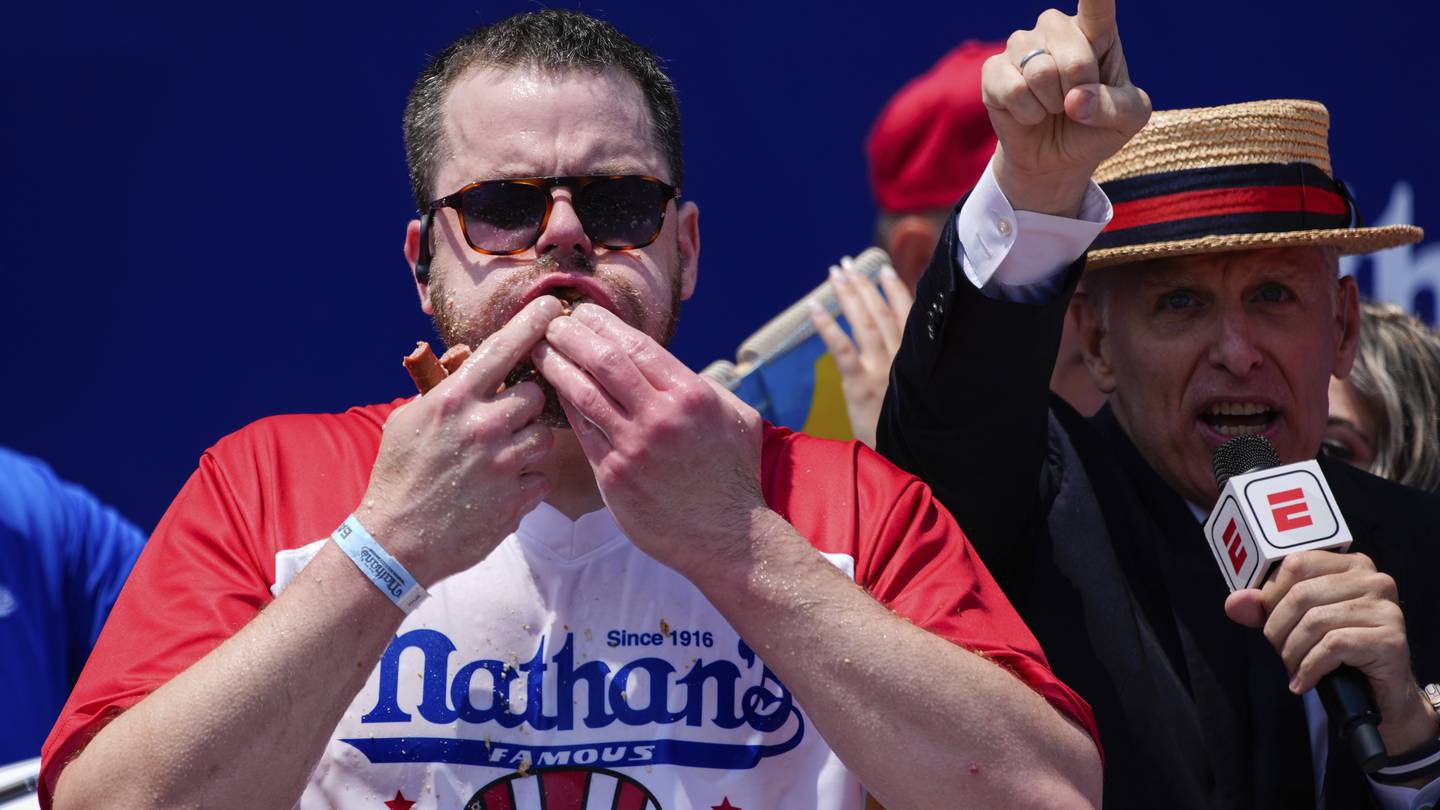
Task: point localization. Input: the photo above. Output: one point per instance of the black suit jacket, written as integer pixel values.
(1110, 568)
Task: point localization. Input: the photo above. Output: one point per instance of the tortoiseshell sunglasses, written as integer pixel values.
(504, 217)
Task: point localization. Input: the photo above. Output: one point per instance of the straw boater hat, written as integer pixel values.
(1238, 177)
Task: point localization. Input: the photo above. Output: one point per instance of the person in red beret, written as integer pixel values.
(926, 150)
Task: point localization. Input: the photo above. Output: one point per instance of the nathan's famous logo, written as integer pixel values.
(644, 692)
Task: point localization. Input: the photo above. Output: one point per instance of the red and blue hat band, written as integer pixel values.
(1224, 200)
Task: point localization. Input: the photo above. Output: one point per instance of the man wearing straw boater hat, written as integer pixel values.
(1210, 306)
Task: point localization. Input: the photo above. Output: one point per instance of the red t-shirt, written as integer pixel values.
(286, 482)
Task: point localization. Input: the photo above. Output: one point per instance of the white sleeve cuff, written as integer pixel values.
(1022, 248)
(1393, 797)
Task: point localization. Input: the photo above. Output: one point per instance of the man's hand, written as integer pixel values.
(453, 476)
(676, 458)
(877, 324)
(1323, 609)
(1071, 107)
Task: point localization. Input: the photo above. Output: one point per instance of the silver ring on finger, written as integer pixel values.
(1031, 55)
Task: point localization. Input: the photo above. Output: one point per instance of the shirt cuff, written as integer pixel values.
(1020, 249)
(1393, 797)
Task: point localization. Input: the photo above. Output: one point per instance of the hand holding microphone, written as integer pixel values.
(1333, 618)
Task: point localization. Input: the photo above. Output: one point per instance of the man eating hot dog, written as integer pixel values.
(644, 599)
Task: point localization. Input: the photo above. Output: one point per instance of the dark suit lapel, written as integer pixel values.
(1164, 760)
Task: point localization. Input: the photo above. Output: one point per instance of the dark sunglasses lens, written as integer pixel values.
(502, 216)
(622, 212)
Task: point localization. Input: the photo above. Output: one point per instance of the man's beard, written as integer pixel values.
(472, 328)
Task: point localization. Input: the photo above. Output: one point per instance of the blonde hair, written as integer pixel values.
(1397, 378)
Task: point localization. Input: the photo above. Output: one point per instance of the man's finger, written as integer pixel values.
(1043, 77)
(1326, 619)
(1076, 62)
(1004, 91)
(847, 359)
(519, 404)
(1348, 645)
(1245, 607)
(593, 442)
(1305, 597)
(498, 354)
(1097, 19)
(1120, 109)
(1304, 566)
(659, 366)
(602, 359)
(574, 385)
(527, 448)
(531, 488)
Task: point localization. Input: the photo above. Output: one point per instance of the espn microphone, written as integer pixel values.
(1265, 513)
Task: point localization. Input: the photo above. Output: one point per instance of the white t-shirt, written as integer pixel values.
(571, 653)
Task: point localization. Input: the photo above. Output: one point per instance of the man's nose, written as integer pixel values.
(1234, 346)
(563, 232)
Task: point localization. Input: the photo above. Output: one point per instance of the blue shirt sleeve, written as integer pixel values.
(68, 555)
(100, 549)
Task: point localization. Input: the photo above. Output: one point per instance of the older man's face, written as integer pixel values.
(1198, 349)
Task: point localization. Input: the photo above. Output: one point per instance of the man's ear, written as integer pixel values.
(910, 245)
(1347, 325)
(1094, 342)
(412, 257)
(687, 238)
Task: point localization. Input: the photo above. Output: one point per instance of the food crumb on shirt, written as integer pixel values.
(664, 627)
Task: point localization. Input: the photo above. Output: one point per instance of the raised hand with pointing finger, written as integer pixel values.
(1061, 101)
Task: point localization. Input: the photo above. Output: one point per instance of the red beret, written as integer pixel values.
(933, 139)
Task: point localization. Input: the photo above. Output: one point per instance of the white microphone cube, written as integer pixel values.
(1266, 515)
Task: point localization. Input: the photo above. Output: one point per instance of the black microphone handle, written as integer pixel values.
(1350, 704)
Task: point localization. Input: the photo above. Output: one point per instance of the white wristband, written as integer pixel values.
(376, 563)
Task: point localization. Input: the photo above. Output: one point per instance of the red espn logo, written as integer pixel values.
(1289, 510)
(1232, 544)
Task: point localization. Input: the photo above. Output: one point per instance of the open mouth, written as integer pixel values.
(569, 297)
(571, 290)
(1239, 418)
